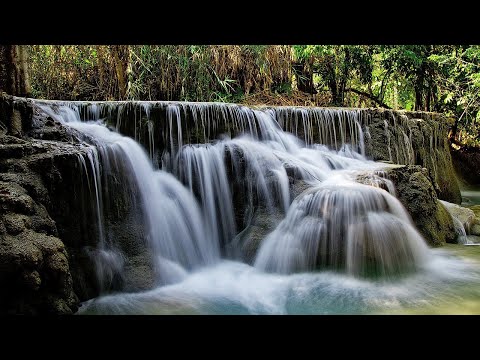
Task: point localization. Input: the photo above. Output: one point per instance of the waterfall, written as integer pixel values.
(462, 218)
(343, 225)
(220, 163)
(202, 168)
(172, 219)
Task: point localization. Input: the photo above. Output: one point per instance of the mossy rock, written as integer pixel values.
(475, 230)
(416, 192)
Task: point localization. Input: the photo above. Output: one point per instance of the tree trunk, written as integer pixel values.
(120, 54)
(23, 77)
(304, 74)
(129, 71)
(332, 83)
(14, 79)
(101, 68)
(367, 95)
(395, 96)
(418, 98)
(452, 134)
(427, 100)
(344, 78)
(14, 118)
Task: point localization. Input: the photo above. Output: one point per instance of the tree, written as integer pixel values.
(412, 62)
(337, 66)
(459, 74)
(122, 59)
(14, 79)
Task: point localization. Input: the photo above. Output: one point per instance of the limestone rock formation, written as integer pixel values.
(414, 138)
(34, 268)
(47, 225)
(415, 190)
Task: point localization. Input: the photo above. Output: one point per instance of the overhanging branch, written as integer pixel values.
(371, 97)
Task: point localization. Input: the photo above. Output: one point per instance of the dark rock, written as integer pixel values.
(415, 190)
(139, 274)
(12, 151)
(475, 230)
(16, 223)
(31, 279)
(263, 222)
(34, 272)
(13, 197)
(297, 187)
(475, 239)
(41, 222)
(17, 252)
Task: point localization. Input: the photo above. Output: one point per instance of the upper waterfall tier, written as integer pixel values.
(401, 137)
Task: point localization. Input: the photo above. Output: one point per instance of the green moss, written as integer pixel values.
(476, 210)
(446, 228)
(438, 229)
(417, 194)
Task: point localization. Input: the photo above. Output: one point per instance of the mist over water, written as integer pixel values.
(340, 247)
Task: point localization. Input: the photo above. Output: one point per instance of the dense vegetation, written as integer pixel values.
(443, 78)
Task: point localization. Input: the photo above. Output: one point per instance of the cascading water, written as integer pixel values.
(171, 215)
(343, 225)
(203, 168)
(220, 164)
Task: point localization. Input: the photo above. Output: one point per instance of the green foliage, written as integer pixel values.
(459, 73)
(336, 67)
(190, 73)
(444, 78)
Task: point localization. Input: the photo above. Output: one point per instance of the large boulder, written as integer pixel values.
(35, 276)
(416, 191)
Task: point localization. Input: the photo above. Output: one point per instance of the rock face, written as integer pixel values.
(35, 275)
(414, 138)
(42, 268)
(415, 190)
(48, 223)
(15, 116)
(475, 227)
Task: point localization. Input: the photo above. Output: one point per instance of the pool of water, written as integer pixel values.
(470, 195)
(448, 284)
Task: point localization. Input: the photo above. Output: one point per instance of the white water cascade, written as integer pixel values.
(219, 164)
(172, 218)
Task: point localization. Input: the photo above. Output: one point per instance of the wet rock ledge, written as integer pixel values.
(36, 181)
